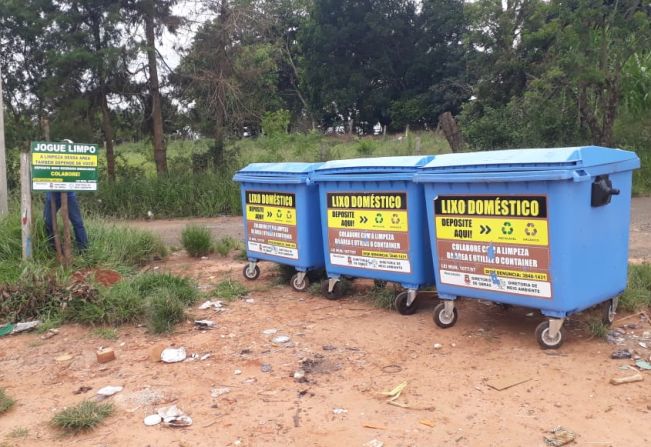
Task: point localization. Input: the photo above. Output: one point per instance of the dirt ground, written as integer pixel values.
(353, 351)
(170, 230)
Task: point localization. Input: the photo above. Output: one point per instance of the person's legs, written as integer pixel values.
(47, 215)
(74, 214)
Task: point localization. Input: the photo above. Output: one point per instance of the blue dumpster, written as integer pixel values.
(374, 224)
(541, 228)
(280, 205)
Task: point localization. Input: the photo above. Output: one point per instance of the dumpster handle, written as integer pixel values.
(580, 176)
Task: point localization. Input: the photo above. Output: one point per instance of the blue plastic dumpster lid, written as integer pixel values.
(258, 172)
(565, 162)
(337, 169)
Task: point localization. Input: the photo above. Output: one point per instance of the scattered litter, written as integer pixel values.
(374, 426)
(329, 347)
(269, 331)
(559, 437)
(501, 384)
(215, 305)
(644, 345)
(237, 372)
(82, 389)
(174, 417)
(49, 334)
(250, 380)
(621, 354)
(265, 368)
(374, 443)
(205, 324)
(205, 357)
(643, 364)
(105, 355)
(299, 375)
(392, 369)
(279, 340)
(64, 358)
(153, 419)
(438, 345)
(249, 301)
(427, 422)
(628, 379)
(339, 410)
(26, 326)
(615, 338)
(394, 393)
(216, 392)
(109, 391)
(173, 355)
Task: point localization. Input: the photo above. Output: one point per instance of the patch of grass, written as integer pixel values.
(597, 328)
(6, 402)
(314, 289)
(197, 240)
(83, 417)
(164, 310)
(19, 432)
(227, 244)
(637, 295)
(107, 333)
(182, 288)
(283, 274)
(230, 290)
(382, 297)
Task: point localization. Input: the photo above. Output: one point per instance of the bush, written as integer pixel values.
(82, 417)
(163, 311)
(230, 290)
(637, 295)
(182, 288)
(197, 240)
(6, 402)
(227, 244)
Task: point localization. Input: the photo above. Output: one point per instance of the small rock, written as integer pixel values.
(269, 331)
(454, 345)
(108, 391)
(237, 372)
(438, 346)
(329, 347)
(216, 392)
(299, 375)
(250, 301)
(49, 334)
(339, 410)
(64, 358)
(265, 368)
(205, 357)
(279, 340)
(621, 354)
(153, 419)
(644, 345)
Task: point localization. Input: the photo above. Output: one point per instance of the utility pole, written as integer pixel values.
(4, 196)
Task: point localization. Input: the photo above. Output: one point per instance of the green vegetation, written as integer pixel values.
(83, 417)
(382, 297)
(227, 244)
(597, 327)
(19, 432)
(107, 333)
(637, 296)
(163, 311)
(6, 402)
(229, 290)
(197, 240)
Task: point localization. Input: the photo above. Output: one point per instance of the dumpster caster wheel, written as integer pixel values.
(298, 285)
(251, 273)
(401, 304)
(337, 290)
(545, 340)
(444, 319)
(608, 312)
(378, 283)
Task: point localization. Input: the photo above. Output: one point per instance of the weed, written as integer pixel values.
(230, 290)
(227, 244)
(241, 255)
(283, 274)
(51, 321)
(182, 288)
(19, 432)
(365, 148)
(637, 295)
(597, 328)
(164, 310)
(6, 402)
(107, 333)
(82, 417)
(382, 297)
(197, 240)
(314, 289)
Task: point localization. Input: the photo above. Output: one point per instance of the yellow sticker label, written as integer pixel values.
(368, 219)
(271, 214)
(282, 244)
(73, 160)
(517, 274)
(502, 230)
(384, 254)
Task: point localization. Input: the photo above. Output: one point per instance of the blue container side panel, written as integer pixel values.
(588, 246)
(308, 225)
(421, 273)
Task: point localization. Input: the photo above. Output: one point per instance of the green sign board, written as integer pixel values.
(64, 166)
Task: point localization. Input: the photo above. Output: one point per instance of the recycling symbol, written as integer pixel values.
(395, 219)
(279, 214)
(531, 229)
(378, 218)
(507, 228)
(289, 214)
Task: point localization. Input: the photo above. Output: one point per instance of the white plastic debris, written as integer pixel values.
(108, 391)
(27, 326)
(269, 331)
(339, 410)
(280, 339)
(215, 305)
(205, 324)
(173, 355)
(250, 301)
(174, 416)
(374, 443)
(216, 392)
(153, 419)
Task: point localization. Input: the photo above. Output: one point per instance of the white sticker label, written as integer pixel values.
(496, 283)
(274, 250)
(364, 262)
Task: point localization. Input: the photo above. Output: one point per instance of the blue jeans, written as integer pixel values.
(74, 214)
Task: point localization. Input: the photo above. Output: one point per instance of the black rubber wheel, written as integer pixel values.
(441, 319)
(608, 312)
(380, 284)
(251, 275)
(545, 342)
(301, 286)
(337, 291)
(401, 304)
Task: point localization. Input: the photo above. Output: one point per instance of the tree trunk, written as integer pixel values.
(45, 127)
(107, 129)
(160, 155)
(451, 130)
